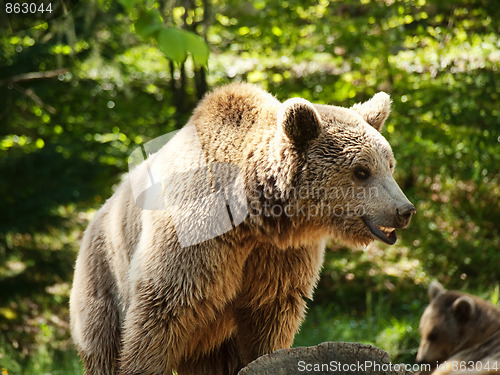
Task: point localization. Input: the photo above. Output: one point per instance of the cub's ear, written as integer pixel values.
(435, 289)
(375, 110)
(463, 308)
(299, 120)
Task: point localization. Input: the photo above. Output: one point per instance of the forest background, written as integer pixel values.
(80, 91)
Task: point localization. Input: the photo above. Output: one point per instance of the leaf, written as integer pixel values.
(148, 23)
(127, 4)
(172, 43)
(197, 47)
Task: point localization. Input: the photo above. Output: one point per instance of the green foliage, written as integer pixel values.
(148, 24)
(398, 336)
(197, 47)
(173, 42)
(77, 94)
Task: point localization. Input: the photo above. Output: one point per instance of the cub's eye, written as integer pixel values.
(432, 336)
(361, 173)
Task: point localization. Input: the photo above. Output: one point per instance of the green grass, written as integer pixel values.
(379, 322)
(50, 353)
(44, 361)
(378, 327)
(397, 336)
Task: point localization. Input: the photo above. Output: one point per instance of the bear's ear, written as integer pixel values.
(435, 289)
(375, 110)
(463, 308)
(299, 121)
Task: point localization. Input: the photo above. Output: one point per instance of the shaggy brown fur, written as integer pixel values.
(143, 304)
(459, 329)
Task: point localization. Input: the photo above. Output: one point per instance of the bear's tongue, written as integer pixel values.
(387, 235)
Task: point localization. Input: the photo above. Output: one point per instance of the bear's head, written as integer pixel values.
(344, 168)
(441, 324)
(454, 321)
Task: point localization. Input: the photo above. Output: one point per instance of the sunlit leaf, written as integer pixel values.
(197, 47)
(172, 43)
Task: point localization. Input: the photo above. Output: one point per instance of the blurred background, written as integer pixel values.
(78, 93)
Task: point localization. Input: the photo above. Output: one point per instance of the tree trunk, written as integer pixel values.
(201, 82)
(350, 358)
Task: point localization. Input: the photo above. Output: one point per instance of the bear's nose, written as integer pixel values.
(404, 214)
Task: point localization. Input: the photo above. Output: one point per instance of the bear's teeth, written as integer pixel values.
(385, 229)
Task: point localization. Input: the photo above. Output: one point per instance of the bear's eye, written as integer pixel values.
(432, 336)
(361, 173)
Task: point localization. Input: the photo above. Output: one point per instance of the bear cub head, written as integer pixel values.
(346, 167)
(452, 322)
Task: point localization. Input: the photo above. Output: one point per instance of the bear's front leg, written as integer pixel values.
(220, 360)
(270, 327)
(271, 306)
(161, 335)
(178, 294)
(156, 334)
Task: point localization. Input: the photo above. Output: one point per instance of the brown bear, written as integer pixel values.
(202, 259)
(460, 333)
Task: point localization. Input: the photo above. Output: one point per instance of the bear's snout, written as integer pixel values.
(404, 214)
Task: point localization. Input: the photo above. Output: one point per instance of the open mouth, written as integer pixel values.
(387, 235)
